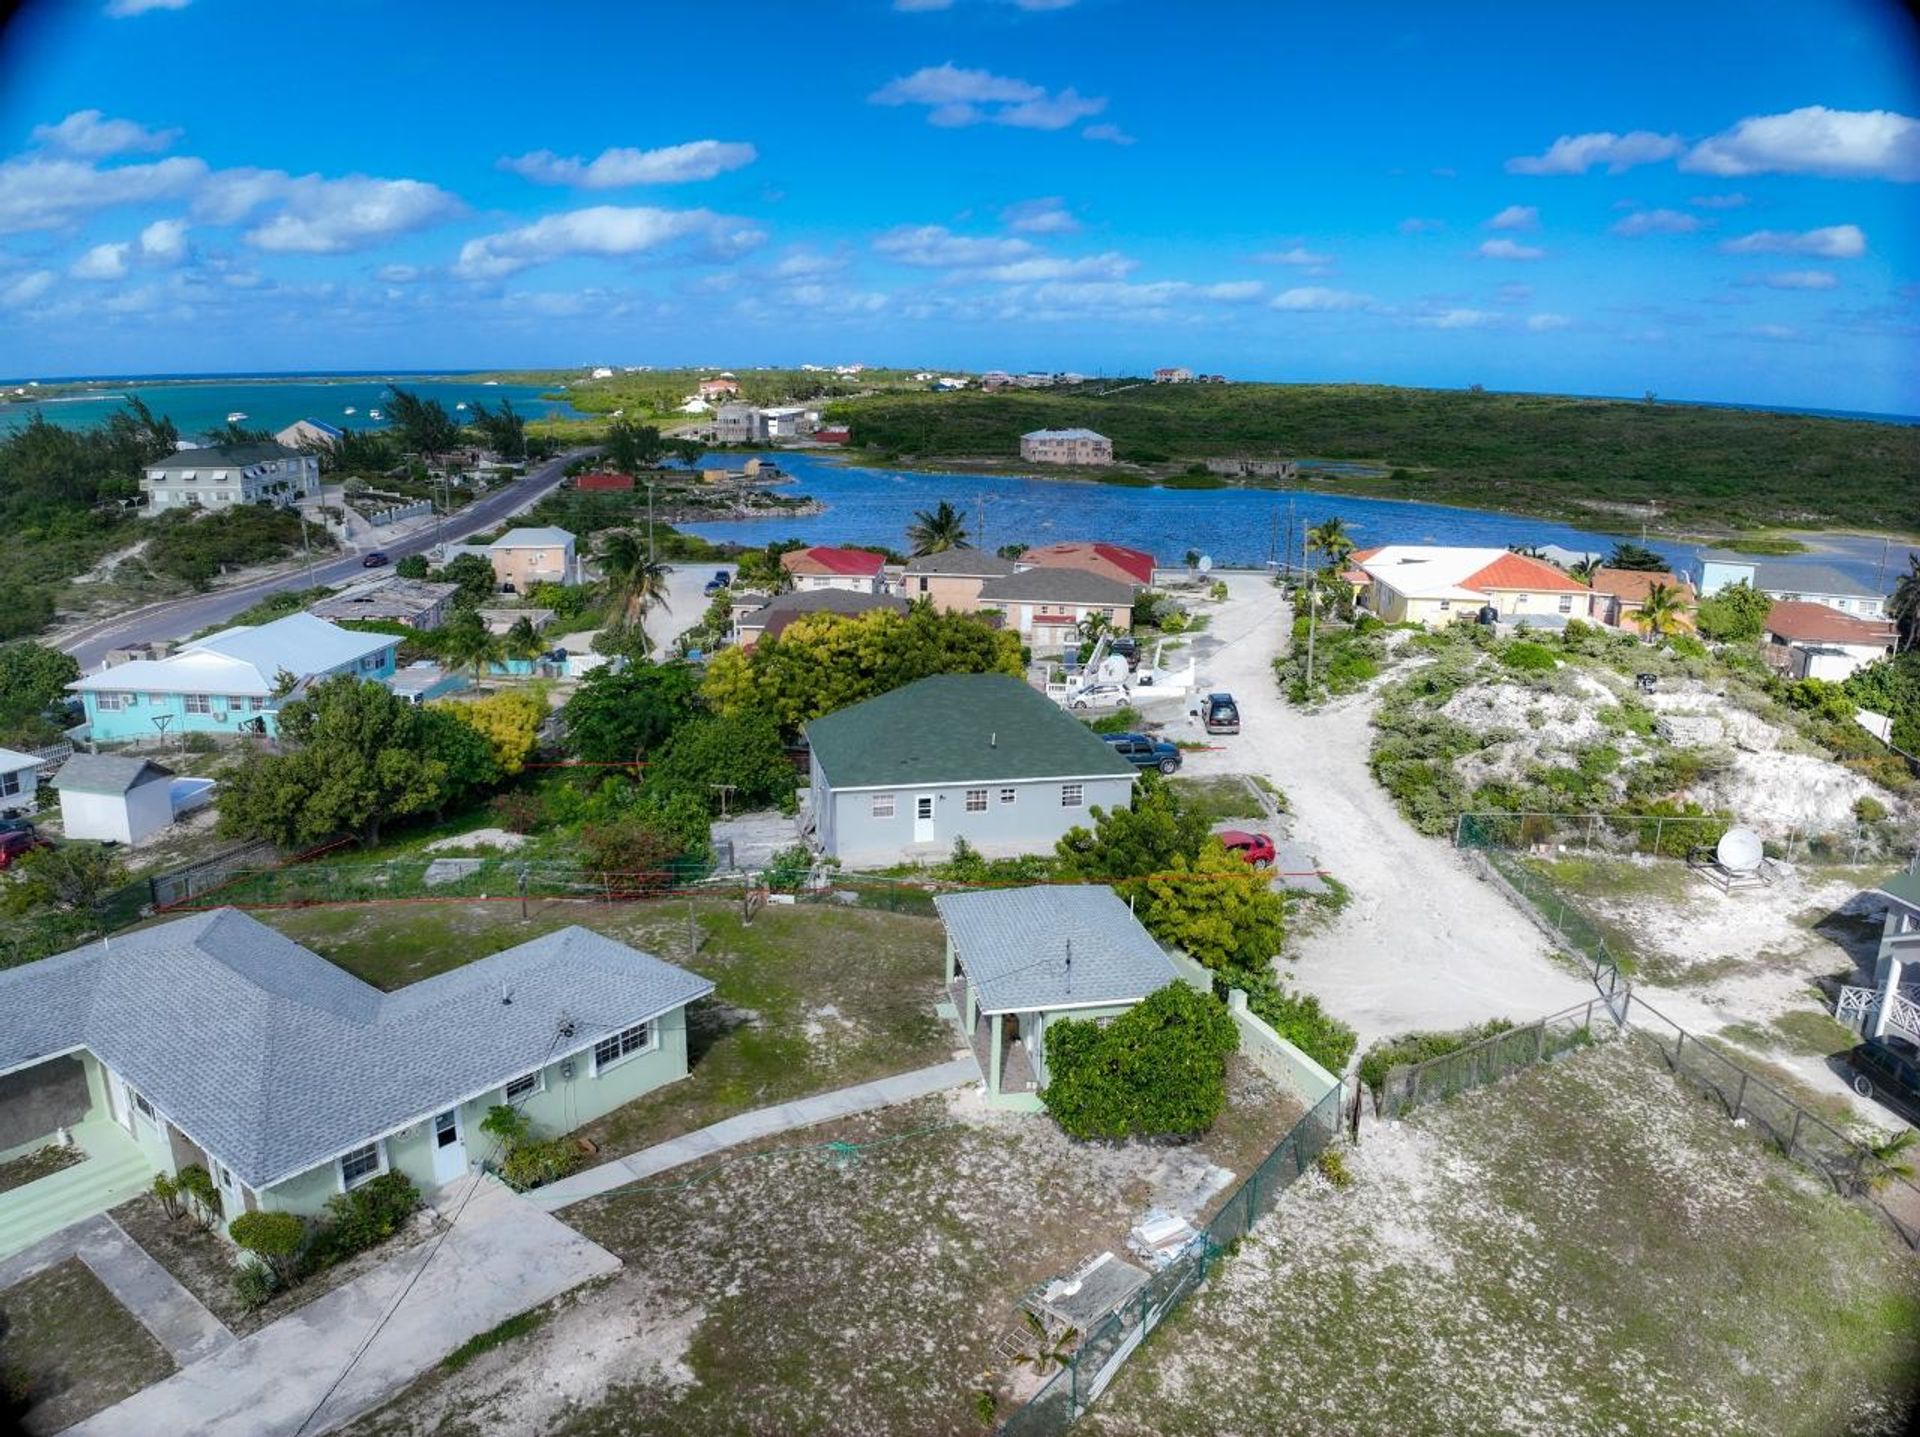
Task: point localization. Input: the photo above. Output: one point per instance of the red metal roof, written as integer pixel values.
(1115, 561)
(823, 560)
(1517, 571)
(603, 481)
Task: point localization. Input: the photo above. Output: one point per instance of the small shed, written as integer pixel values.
(19, 781)
(113, 799)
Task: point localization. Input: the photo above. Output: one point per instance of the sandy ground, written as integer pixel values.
(1423, 943)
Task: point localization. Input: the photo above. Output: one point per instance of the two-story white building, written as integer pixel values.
(1794, 581)
(223, 475)
(1066, 446)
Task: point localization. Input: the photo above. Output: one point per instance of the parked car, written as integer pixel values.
(1889, 1069)
(1256, 848)
(1143, 752)
(1219, 714)
(721, 580)
(1104, 695)
(16, 825)
(1127, 649)
(18, 844)
(375, 560)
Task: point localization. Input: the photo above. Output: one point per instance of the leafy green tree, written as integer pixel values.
(1904, 605)
(745, 752)
(629, 447)
(612, 717)
(23, 611)
(503, 429)
(1635, 556)
(356, 757)
(1130, 843)
(474, 575)
(1736, 614)
(936, 530)
(423, 425)
(823, 662)
(1158, 1070)
(274, 1237)
(32, 678)
(1891, 687)
(1219, 910)
(413, 566)
(74, 876)
(457, 736)
(465, 642)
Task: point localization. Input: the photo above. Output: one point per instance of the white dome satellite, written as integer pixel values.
(1205, 565)
(1739, 850)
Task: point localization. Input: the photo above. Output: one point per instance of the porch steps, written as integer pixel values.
(42, 1208)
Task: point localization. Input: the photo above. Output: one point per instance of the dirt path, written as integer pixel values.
(1423, 943)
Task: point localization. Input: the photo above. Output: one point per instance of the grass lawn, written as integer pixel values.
(1219, 797)
(807, 999)
(1583, 1249)
(787, 1293)
(68, 1349)
(40, 1163)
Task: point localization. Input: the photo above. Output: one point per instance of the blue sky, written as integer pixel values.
(1712, 201)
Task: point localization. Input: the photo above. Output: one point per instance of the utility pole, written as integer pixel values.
(649, 521)
(306, 550)
(1313, 609)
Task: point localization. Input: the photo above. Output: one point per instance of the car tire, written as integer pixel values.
(1263, 863)
(1169, 765)
(1863, 1086)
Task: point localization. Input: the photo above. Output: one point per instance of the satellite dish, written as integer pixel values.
(1739, 850)
(1205, 565)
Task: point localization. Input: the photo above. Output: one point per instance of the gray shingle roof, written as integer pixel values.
(1792, 576)
(218, 456)
(276, 1061)
(1015, 943)
(1049, 585)
(107, 773)
(956, 728)
(1063, 434)
(777, 613)
(968, 563)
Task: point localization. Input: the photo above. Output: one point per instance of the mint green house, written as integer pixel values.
(1019, 959)
(215, 1040)
(226, 682)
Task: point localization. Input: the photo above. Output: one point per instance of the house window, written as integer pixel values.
(923, 583)
(976, 800)
(1520, 600)
(109, 702)
(882, 805)
(1072, 795)
(256, 704)
(1566, 603)
(140, 1102)
(623, 1044)
(222, 1176)
(359, 1165)
(1007, 795)
(157, 700)
(371, 661)
(520, 1089)
(199, 703)
(1446, 605)
(9, 784)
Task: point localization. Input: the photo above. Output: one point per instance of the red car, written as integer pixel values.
(17, 845)
(1256, 848)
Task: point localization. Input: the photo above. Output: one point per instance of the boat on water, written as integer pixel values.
(373, 414)
(236, 416)
(351, 410)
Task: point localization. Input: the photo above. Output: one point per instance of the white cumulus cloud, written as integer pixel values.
(164, 241)
(603, 231)
(1540, 323)
(618, 168)
(1297, 254)
(1720, 202)
(1516, 217)
(1657, 222)
(1576, 154)
(1044, 216)
(322, 216)
(1813, 140)
(954, 97)
(1457, 319)
(90, 135)
(1828, 242)
(937, 247)
(1110, 265)
(103, 261)
(1107, 133)
(38, 193)
(1510, 249)
(1314, 297)
(26, 289)
(1233, 291)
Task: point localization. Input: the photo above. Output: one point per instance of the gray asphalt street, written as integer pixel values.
(177, 618)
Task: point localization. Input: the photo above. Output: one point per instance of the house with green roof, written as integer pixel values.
(984, 757)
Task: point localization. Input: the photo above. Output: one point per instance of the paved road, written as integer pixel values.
(177, 618)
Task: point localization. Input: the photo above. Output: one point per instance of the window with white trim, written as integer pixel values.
(1445, 605)
(522, 1088)
(359, 1166)
(621, 1045)
(199, 703)
(1008, 795)
(9, 784)
(140, 1102)
(976, 800)
(109, 702)
(1072, 795)
(882, 805)
(1566, 603)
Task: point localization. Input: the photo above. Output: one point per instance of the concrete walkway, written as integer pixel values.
(760, 1123)
(501, 1258)
(173, 1315)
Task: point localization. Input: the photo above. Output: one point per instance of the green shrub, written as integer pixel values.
(1299, 1018)
(1528, 657)
(1390, 1053)
(1686, 646)
(1869, 810)
(1332, 1163)
(789, 868)
(254, 1284)
(362, 1218)
(275, 1238)
(1159, 1069)
(519, 1325)
(530, 1164)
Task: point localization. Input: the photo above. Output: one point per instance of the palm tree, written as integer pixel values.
(466, 643)
(522, 641)
(1904, 607)
(1332, 539)
(936, 531)
(629, 578)
(1661, 612)
(1584, 570)
(1044, 1351)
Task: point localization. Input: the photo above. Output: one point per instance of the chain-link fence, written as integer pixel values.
(1094, 1363)
(1801, 1135)
(1565, 926)
(1671, 835)
(1491, 1059)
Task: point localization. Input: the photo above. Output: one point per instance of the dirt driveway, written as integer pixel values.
(1423, 943)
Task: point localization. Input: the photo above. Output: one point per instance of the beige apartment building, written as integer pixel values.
(951, 579)
(522, 558)
(1066, 446)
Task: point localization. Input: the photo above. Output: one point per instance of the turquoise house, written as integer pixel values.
(217, 1041)
(226, 682)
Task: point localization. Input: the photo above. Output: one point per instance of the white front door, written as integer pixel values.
(449, 1151)
(923, 818)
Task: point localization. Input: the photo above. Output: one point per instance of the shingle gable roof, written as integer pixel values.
(1015, 945)
(107, 773)
(276, 1061)
(222, 456)
(1057, 586)
(956, 728)
(966, 563)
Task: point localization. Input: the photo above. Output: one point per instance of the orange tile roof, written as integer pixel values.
(1517, 571)
(1631, 585)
